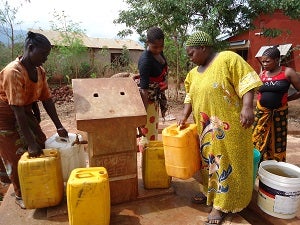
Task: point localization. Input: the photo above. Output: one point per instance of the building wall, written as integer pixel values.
(101, 59)
(135, 55)
(290, 35)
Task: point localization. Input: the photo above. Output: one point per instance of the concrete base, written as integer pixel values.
(164, 209)
(170, 206)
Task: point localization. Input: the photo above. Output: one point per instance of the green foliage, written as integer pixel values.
(271, 32)
(178, 18)
(125, 57)
(4, 56)
(8, 21)
(93, 75)
(120, 62)
(70, 56)
(52, 66)
(85, 70)
(177, 60)
(62, 23)
(291, 8)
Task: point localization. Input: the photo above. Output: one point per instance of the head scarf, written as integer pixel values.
(272, 52)
(199, 39)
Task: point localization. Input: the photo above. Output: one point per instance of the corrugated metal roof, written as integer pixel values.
(56, 37)
(282, 48)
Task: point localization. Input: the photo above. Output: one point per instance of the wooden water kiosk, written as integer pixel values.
(110, 110)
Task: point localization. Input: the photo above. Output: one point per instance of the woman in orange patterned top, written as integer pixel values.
(22, 83)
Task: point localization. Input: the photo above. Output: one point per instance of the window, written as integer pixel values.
(119, 59)
(115, 59)
(243, 53)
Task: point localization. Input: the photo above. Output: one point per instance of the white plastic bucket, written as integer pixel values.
(279, 189)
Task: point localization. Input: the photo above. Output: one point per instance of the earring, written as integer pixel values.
(279, 61)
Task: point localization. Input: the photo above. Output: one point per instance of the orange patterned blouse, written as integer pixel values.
(17, 89)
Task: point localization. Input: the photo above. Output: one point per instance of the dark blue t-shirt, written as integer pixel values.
(149, 67)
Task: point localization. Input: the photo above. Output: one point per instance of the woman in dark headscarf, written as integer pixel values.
(270, 125)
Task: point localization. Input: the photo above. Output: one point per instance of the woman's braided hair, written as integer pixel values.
(37, 40)
(272, 52)
(155, 33)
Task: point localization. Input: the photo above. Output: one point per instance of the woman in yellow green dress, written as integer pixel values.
(219, 93)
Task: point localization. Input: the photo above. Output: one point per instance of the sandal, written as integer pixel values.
(19, 202)
(199, 198)
(215, 220)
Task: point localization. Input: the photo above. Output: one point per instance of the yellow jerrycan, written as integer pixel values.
(88, 196)
(41, 179)
(181, 150)
(153, 166)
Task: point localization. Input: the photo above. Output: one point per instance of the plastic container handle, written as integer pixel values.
(179, 128)
(84, 175)
(62, 139)
(48, 154)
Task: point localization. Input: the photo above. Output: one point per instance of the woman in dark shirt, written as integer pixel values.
(153, 69)
(270, 125)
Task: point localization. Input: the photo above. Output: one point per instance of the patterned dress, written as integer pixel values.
(153, 77)
(226, 147)
(271, 117)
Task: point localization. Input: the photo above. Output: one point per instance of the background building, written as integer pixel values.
(252, 43)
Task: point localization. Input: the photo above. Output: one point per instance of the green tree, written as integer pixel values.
(8, 22)
(125, 57)
(144, 14)
(4, 56)
(70, 53)
(179, 17)
(290, 8)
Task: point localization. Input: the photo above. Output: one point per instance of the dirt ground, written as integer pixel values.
(65, 109)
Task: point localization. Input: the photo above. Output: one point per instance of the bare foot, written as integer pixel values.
(215, 217)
